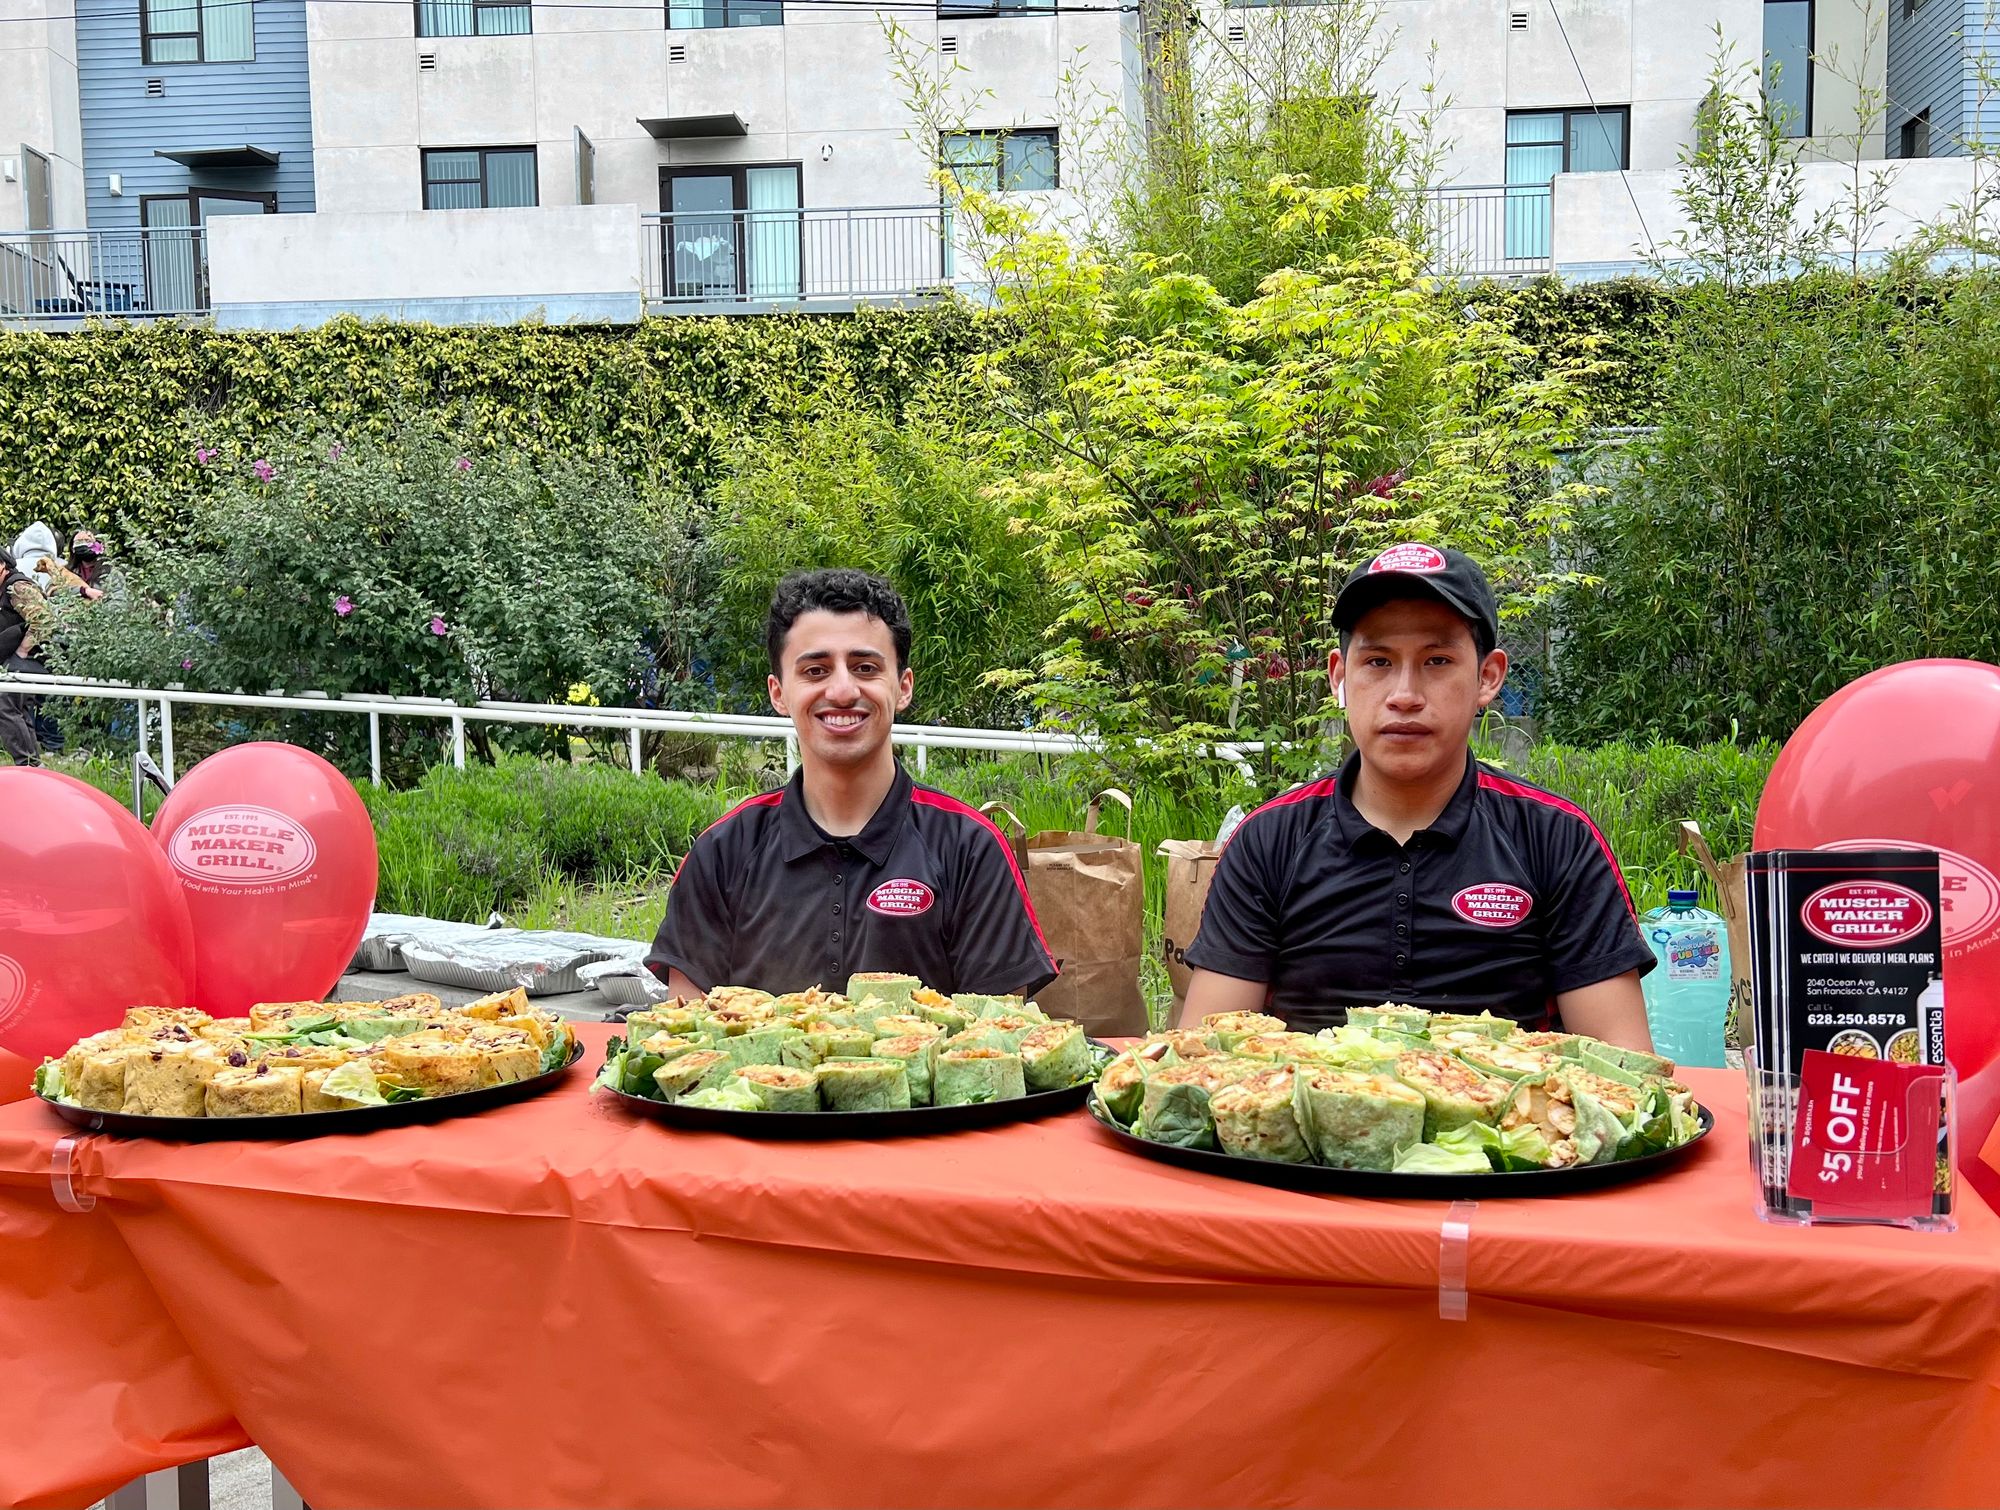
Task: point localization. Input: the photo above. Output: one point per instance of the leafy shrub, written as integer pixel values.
(843, 486)
(406, 567)
(1817, 502)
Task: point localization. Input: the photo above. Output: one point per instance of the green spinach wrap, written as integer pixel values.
(1257, 1118)
(1175, 1104)
(1358, 1121)
(1123, 1082)
(681, 1020)
(781, 1087)
(1504, 1061)
(952, 1018)
(1485, 1024)
(917, 1053)
(763, 1045)
(1411, 1020)
(693, 1072)
(902, 1024)
(863, 1085)
(973, 1075)
(1454, 1092)
(1055, 1055)
(1231, 1028)
(886, 986)
(819, 1040)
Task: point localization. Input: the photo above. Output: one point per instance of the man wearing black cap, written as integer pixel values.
(1416, 874)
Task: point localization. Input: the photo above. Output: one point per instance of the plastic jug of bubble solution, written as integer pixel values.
(1687, 997)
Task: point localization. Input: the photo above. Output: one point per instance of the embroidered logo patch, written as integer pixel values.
(1493, 904)
(901, 898)
(1408, 557)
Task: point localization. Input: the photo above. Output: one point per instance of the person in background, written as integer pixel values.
(89, 567)
(26, 624)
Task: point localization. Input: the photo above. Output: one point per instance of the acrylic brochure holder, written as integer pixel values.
(1873, 1163)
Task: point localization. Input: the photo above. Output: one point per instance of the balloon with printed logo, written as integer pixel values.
(275, 854)
(91, 918)
(1906, 757)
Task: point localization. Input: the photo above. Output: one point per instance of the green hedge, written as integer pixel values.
(100, 427)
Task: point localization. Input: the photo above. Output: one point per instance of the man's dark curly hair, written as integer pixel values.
(835, 589)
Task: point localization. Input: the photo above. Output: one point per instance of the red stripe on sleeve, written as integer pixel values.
(762, 799)
(926, 798)
(1324, 787)
(1508, 788)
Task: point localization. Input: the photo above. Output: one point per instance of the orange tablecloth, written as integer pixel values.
(552, 1304)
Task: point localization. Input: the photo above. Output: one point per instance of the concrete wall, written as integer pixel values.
(466, 266)
(38, 108)
(1598, 232)
(817, 90)
(1850, 71)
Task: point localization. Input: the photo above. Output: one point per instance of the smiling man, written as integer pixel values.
(1416, 874)
(853, 867)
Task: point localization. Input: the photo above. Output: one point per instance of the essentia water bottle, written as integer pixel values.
(1688, 996)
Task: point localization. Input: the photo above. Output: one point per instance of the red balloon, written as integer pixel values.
(91, 920)
(275, 854)
(1910, 756)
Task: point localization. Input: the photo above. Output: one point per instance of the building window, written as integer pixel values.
(1914, 140)
(175, 247)
(951, 9)
(696, 15)
(991, 161)
(1788, 70)
(479, 178)
(473, 18)
(1543, 143)
(731, 233)
(197, 31)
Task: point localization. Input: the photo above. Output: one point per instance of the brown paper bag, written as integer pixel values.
(1190, 867)
(1732, 895)
(1089, 893)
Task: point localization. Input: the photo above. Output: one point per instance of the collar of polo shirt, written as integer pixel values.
(875, 842)
(1449, 825)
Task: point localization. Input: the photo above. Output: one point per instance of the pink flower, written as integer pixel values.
(204, 454)
(333, 451)
(187, 665)
(464, 465)
(438, 626)
(263, 470)
(343, 605)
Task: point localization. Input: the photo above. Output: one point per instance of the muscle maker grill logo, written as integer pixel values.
(241, 846)
(1865, 914)
(901, 898)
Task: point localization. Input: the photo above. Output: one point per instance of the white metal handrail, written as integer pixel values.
(1490, 230)
(923, 738)
(136, 272)
(796, 255)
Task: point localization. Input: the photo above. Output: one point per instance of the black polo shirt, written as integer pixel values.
(1509, 898)
(929, 888)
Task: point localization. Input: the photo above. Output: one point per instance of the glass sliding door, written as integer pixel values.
(169, 247)
(731, 232)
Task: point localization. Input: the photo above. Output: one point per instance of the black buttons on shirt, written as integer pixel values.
(1405, 867)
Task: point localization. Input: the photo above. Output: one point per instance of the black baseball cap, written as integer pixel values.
(1412, 570)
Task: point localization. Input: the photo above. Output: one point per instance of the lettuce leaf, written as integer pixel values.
(1519, 1148)
(732, 1095)
(49, 1080)
(1179, 1116)
(375, 1029)
(1436, 1158)
(355, 1082)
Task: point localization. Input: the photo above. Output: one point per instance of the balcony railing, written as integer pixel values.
(57, 276)
(760, 259)
(1491, 230)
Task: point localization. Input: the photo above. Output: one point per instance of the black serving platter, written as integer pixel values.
(912, 1122)
(312, 1124)
(1453, 1187)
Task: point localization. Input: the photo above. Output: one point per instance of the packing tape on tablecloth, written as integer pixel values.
(1454, 1260)
(62, 1160)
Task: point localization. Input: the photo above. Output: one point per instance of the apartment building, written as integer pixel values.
(386, 155)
